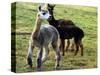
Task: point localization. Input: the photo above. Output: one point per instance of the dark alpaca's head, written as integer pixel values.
(50, 9)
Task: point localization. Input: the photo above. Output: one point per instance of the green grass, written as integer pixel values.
(85, 17)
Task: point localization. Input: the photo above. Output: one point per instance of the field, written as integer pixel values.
(83, 16)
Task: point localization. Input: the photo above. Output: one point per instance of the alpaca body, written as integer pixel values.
(41, 37)
(67, 30)
(70, 31)
(52, 21)
(47, 34)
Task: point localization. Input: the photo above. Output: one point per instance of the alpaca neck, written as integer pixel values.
(53, 18)
(37, 26)
(53, 21)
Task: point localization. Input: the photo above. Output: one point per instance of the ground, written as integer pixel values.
(83, 16)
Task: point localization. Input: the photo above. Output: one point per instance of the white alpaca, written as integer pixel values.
(41, 37)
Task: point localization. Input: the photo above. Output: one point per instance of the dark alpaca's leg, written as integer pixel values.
(68, 43)
(63, 46)
(81, 46)
(77, 46)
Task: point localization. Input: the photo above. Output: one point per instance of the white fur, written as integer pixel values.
(46, 16)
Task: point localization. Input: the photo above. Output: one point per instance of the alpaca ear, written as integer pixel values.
(48, 5)
(51, 5)
(39, 9)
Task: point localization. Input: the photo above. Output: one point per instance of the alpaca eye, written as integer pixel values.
(44, 13)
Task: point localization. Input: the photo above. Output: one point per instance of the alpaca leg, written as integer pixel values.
(68, 43)
(45, 55)
(57, 55)
(81, 46)
(77, 48)
(29, 56)
(63, 46)
(39, 59)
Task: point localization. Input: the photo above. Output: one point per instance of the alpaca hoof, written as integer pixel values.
(57, 67)
(29, 62)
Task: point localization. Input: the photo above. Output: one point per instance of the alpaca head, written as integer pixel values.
(43, 13)
(50, 9)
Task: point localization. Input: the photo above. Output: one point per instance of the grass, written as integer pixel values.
(85, 17)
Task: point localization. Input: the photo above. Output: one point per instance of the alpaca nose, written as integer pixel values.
(50, 17)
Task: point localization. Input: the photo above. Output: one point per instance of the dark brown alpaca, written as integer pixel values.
(55, 23)
(67, 30)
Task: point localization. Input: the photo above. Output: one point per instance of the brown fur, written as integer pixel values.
(37, 27)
